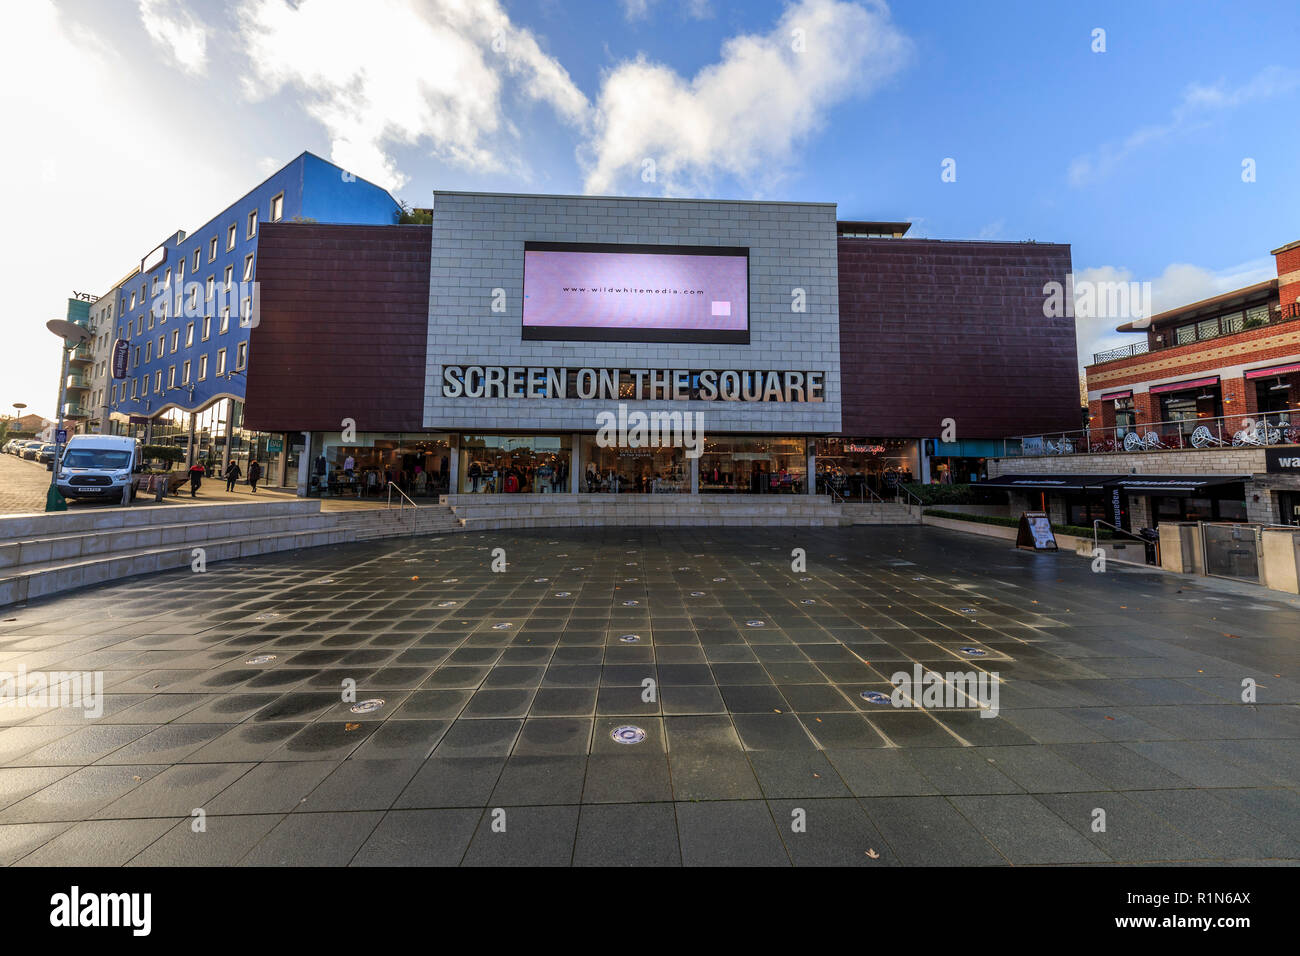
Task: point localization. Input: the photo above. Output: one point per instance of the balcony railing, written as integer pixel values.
(73, 410)
(1229, 431)
(77, 381)
(1290, 313)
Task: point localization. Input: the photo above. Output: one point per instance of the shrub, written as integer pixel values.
(956, 494)
(1073, 529)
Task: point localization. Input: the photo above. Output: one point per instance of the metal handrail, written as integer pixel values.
(401, 505)
(1097, 521)
(912, 497)
(1241, 430)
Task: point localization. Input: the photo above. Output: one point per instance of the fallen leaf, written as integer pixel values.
(873, 854)
(351, 727)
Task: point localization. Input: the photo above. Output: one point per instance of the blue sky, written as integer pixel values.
(139, 118)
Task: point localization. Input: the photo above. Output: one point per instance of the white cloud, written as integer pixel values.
(636, 9)
(391, 74)
(747, 114)
(1179, 284)
(183, 38)
(1193, 109)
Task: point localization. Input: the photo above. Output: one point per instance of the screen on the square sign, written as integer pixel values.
(629, 293)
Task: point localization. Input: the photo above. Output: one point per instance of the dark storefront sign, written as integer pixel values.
(1282, 461)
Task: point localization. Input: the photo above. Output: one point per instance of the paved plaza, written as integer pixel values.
(507, 697)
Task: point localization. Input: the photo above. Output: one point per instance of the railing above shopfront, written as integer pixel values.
(1276, 315)
(1196, 434)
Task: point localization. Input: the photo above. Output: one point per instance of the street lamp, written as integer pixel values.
(73, 335)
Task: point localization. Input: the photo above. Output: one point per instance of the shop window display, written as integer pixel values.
(852, 466)
(617, 470)
(735, 465)
(514, 464)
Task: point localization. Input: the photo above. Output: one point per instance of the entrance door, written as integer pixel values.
(1289, 506)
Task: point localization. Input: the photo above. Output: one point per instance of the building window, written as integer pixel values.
(203, 367)
(144, 385)
(197, 254)
(277, 207)
(241, 355)
(245, 311)
(157, 382)
(225, 320)
(176, 341)
(212, 287)
(232, 235)
(230, 277)
(221, 361)
(185, 373)
(167, 279)
(189, 335)
(207, 327)
(248, 267)
(135, 389)
(171, 376)
(252, 224)
(133, 300)
(135, 357)
(212, 249)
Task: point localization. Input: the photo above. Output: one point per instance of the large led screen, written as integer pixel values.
(631, 293)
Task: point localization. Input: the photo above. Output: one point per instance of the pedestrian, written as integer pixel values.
(196, 479)
(254, 473)
(233, 474)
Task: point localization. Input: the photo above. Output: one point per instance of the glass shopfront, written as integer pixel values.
(851, 465)
(763, 465)
(514, 464)
(420, 465)
(633, 470)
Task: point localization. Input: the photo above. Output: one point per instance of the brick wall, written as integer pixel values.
(933, 329)
(1288, 274)
(1253, 347)
(344, 317)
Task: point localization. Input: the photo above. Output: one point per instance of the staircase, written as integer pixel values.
(46, 554)
(879, 513)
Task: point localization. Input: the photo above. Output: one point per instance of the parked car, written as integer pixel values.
(98, 466)
(45, 454)
(30, 450)
(9, 446)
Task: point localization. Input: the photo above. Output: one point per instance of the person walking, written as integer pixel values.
(254, 474)
(233, 474)
(196, 479)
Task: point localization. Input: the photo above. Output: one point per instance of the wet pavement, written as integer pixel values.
(624, 696)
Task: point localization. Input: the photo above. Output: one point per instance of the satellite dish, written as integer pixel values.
(68, 331)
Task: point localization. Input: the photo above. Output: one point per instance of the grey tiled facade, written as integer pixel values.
(478, 246)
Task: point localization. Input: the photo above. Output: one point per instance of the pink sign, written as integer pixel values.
(627, 291)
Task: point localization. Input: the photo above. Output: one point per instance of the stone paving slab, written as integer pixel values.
(505, 697)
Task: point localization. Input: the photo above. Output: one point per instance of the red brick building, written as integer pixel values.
(1228, 364)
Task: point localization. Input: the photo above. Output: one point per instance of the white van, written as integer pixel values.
(98, 466)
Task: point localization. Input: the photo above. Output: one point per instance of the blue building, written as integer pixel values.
(188, 312)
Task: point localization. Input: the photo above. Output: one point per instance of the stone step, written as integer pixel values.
(17, 554)
(94, 518)
(42, 580)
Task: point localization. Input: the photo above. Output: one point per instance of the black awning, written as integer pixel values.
(1047, 482)
(1172, 484)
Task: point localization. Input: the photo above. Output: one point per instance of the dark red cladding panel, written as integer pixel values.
(934, 329)
(343, 330)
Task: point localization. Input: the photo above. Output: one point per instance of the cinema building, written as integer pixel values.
(515, 344)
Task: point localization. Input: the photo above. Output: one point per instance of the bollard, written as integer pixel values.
(161, 486)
